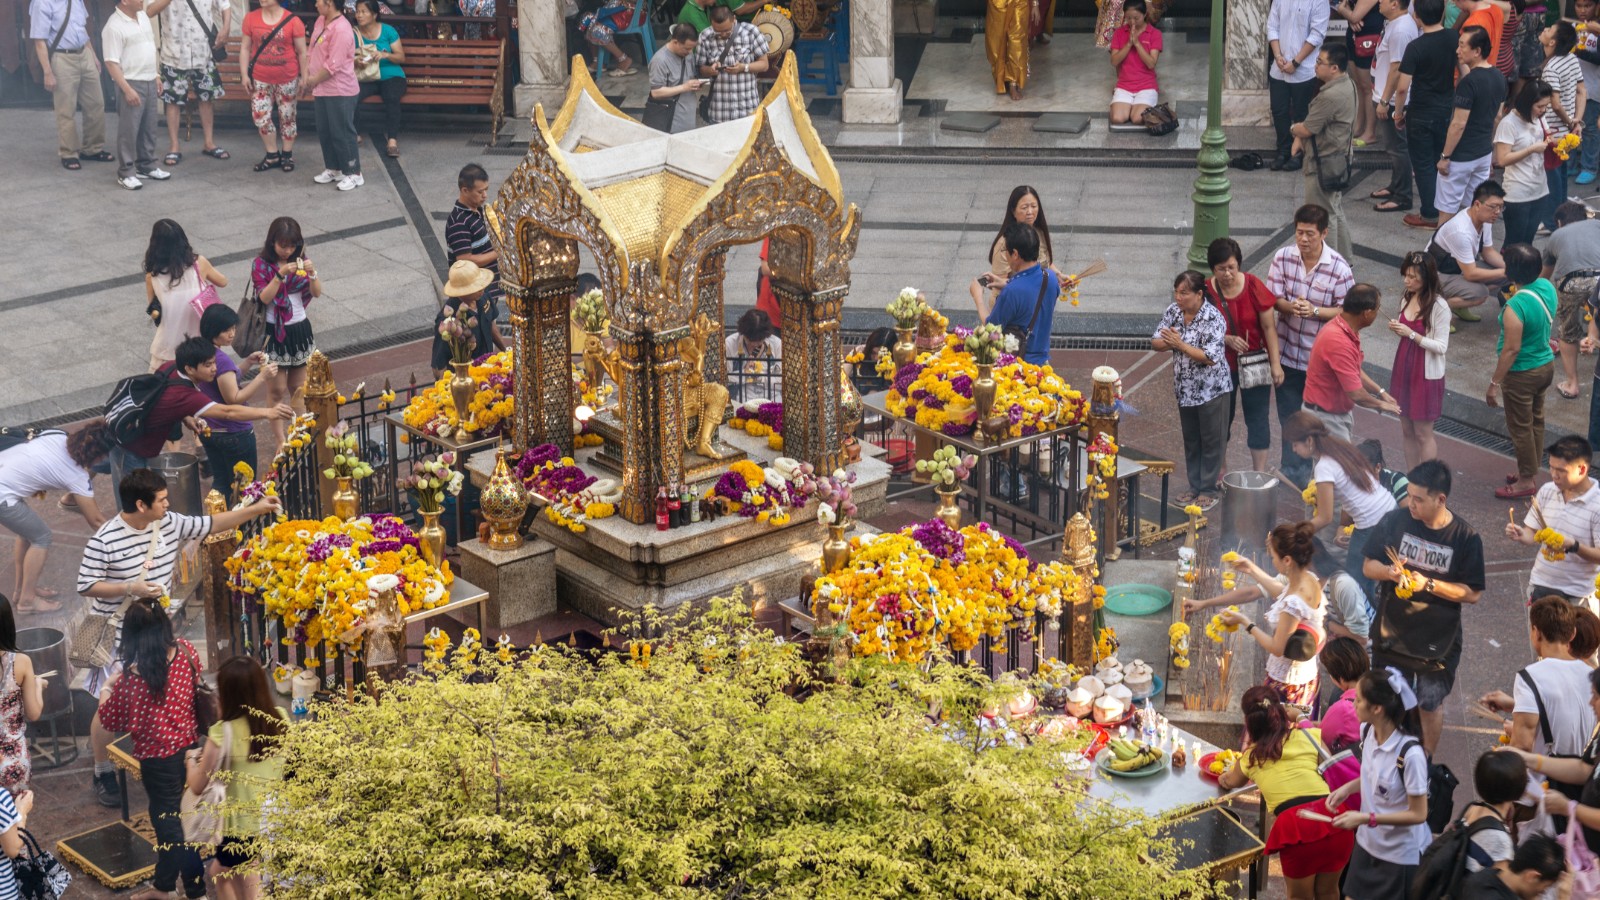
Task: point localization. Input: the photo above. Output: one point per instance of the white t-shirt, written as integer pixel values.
(1365, 507)
(1386, 788)
(130, 43)
(1460, 238)
(1524, 179)
(1564, 687)
(41, 464)
(297, 308)
(1397, 33)
(117, 553)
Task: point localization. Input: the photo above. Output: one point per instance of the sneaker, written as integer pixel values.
(1585, 178)
(106, 789)
(328, 176)
(155, 174)
(351, 182)
(130, 182)
(1465, 314)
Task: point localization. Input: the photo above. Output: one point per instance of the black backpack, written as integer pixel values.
(1443, 867)
(128, 408)
(11, 437)
(1442, 783)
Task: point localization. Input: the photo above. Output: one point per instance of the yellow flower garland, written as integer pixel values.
(1043, 399)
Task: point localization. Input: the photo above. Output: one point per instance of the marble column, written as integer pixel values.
(874, 94)
(1244, 83)
(542, 40)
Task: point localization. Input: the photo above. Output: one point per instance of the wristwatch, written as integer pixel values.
(1249, 628)
(1428, 585)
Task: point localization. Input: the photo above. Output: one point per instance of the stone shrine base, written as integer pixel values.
(616, 568)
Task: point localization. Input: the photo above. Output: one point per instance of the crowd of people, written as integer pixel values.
(336, 64)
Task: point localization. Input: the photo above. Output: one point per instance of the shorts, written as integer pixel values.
(1455, 189)
(234, 851)
(600, 35)
(1149, 97)
(1572, 298)
(1474, 292)
(1368, 876)
(177, 84)
(20, 519)
(1433, 687)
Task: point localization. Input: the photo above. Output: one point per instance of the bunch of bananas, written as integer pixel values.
(1131, 755)
(1223, 761)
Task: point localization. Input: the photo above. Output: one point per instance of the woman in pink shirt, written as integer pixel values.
(1135, 45)
(331, 81)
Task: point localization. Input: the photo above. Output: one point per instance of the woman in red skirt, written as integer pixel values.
(1282, 761)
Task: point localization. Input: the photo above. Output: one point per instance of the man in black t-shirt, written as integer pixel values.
(1420, 635)
(1428, 80)
(1469, 144)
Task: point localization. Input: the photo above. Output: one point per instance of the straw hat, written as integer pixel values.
(467, 279)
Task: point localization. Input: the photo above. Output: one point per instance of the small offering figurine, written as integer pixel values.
(1179, 758)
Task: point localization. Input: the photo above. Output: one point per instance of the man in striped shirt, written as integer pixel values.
(1310, 280)
(132, 556)
(466, 234)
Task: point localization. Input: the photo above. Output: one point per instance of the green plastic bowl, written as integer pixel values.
(1137, 599)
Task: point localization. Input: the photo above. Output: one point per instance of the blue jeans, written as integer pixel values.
(1425, 133)
(1590, 159)
(223, 450)
(123, 462)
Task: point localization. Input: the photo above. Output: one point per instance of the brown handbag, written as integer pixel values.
(92, 636)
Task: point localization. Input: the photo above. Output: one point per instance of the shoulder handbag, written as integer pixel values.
(207, 709)
(250, 70)
(1017, 331)
(1581, 861)
(40, 876)
(705, 102)
(1159, 120)
(1333, 173)
(367, 68)
(218, 54)
(92, 636)
(204, 298)
(658, 113)
(202, 813)
(1255, 370)
(251, 335)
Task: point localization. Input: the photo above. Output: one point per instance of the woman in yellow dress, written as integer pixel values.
(1005, 37)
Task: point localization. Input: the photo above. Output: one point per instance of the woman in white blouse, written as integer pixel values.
(1417, 377)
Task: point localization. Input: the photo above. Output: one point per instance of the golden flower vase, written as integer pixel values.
(836, 549)
(983, 392)
(346, 502)
(430, 538)
(949, 511)
(462, 389)
(904, 351)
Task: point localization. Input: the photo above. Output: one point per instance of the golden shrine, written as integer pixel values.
(658, 212)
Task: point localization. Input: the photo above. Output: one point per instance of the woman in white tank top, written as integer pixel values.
(172, 276)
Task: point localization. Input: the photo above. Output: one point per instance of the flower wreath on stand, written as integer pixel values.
(572, 497)
(936, 391)
(431, 411)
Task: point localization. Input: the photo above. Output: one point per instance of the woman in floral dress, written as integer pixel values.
(21, 702)
(1193, 330)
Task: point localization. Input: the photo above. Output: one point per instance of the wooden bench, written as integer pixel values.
(438, 73)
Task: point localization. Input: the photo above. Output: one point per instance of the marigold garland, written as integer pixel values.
(433, 412)
(313, 575)
(907, 593)
(936, 392)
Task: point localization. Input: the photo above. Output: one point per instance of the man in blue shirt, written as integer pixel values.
(60, 35)
(1028, 300)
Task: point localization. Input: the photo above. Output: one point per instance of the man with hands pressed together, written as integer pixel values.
(1418, 627)
(131, 557)
(1310, 280)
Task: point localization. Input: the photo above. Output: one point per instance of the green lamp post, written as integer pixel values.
(1211, 187)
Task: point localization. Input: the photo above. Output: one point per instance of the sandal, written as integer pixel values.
(1391, 206)
(393, 150)
(70, 163)
(46, 593)
(270, 161)
(172, 159)
(1205, 501)
(1184, 498)
(102, 156)
(1380, 194)
(1571, 396)
(286, 160)
(217, 153)
(39, 606)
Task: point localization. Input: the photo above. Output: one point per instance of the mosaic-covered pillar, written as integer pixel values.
(708, 293)
(650, 405)
(812, 358)
(547, 361)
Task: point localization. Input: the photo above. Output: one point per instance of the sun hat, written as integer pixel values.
(466, 279)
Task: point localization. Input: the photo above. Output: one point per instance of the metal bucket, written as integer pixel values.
(47, 647)
(1249, 510)
(182, 471)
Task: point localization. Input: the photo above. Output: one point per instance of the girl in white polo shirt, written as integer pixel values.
(1392, 826)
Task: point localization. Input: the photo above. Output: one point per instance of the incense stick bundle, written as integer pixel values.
(1095, 268)
(1538, 514)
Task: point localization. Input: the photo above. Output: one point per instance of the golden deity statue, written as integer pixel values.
(708, 401)
(598, 362)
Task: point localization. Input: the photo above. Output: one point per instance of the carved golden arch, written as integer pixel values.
(781, 183)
